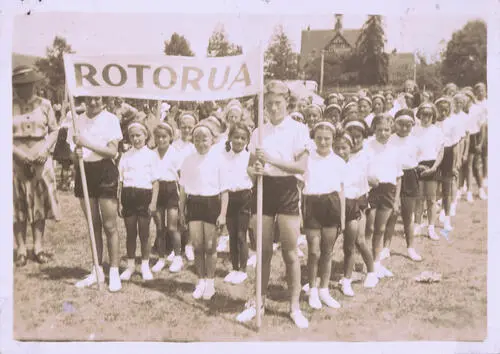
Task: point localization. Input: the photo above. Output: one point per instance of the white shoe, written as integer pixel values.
(276, 246)
(432, 233)
(382, 272)
(189, 253)
(240, 278)
(127, 273)
(306, 289)
(300, 254)
(414, 255)
(170, 257)
(160, 264)
(230, 277)
(250, 312)
(200, 289)
(302, 240)
(442, 216)
(252, 261)
(299, 319)
(485, 182)
(115, 283)
(209, 289)
(314, 300)
(470, 199)
(447, 224)
(346, 287)
(453, 209)
(385, 253)
(482, 194)
(91, 279)
(222, 244)
(327, 299)
(176, 265)
(146, 272)
(371, 280)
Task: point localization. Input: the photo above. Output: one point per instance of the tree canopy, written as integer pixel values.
(464, 60)
(178, 45)
(219, 45)
(373, 61)
(280, 62)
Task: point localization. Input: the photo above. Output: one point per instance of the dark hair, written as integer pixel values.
(233, 129)
(379, 118)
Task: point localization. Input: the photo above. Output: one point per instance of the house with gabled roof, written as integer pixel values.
(339, 41)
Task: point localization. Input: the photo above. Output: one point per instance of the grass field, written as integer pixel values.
(47, 306)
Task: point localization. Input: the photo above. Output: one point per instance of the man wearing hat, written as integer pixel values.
(34, 135)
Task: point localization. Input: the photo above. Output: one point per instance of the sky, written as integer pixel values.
(125, 33)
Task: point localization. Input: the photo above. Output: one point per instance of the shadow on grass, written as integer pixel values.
(61, 272)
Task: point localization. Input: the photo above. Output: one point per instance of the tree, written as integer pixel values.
(280, 62)
(52, 66)
(465, 56)
(429, 75)
(371, 57)
(178, 45)
(219, 46)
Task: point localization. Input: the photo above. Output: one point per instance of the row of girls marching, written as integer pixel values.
(357, 178)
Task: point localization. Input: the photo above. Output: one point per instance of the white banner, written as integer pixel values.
(163, 77)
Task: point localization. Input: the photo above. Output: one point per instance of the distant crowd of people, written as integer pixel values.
(350, 166)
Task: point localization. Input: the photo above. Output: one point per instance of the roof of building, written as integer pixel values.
(318, 39)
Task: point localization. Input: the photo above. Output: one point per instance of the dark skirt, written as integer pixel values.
(382, 196)
(409, 183)
(352, 211)
(429, 164)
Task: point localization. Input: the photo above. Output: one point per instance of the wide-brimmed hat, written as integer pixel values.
(24, 74)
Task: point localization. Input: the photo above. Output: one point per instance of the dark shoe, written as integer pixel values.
(21, 260)
(42, 257)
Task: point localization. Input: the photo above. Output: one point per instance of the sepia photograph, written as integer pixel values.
(249, 177)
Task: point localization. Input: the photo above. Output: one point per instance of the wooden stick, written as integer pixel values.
(100, 280)
(260, 124)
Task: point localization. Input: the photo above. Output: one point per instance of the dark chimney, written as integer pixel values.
(338, 22)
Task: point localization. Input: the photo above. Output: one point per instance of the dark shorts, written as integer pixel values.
(239, 207)
(352, 211)
(102, 179)
(201, 208)
(382, 196)
(280, 196)
(429, 164)
(168, 195)
(447, 166)
(474, 140)
(363, 203)
(321, 211)
(135, 201)
(409, 183)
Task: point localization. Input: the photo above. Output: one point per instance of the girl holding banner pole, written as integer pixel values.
(97, 141)
(282, 156)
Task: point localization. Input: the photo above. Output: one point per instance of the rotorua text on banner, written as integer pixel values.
(163, 77)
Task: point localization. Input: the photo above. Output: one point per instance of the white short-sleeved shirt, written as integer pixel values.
(431, 141)
(101, 130)
(324, 174)
(356, 177)
(170, 165)
(483, 111)
(369, 119)
(185, 148)
(236, 170)
(463, 124)
(284, 141)
(203, 175)
(474, 120)
(139, 168)
(409, 150)
(451, 130)
(385, 162)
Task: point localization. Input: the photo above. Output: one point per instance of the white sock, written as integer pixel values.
(113, 271)
(131, 263)
(145, 263)
(431, 228)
